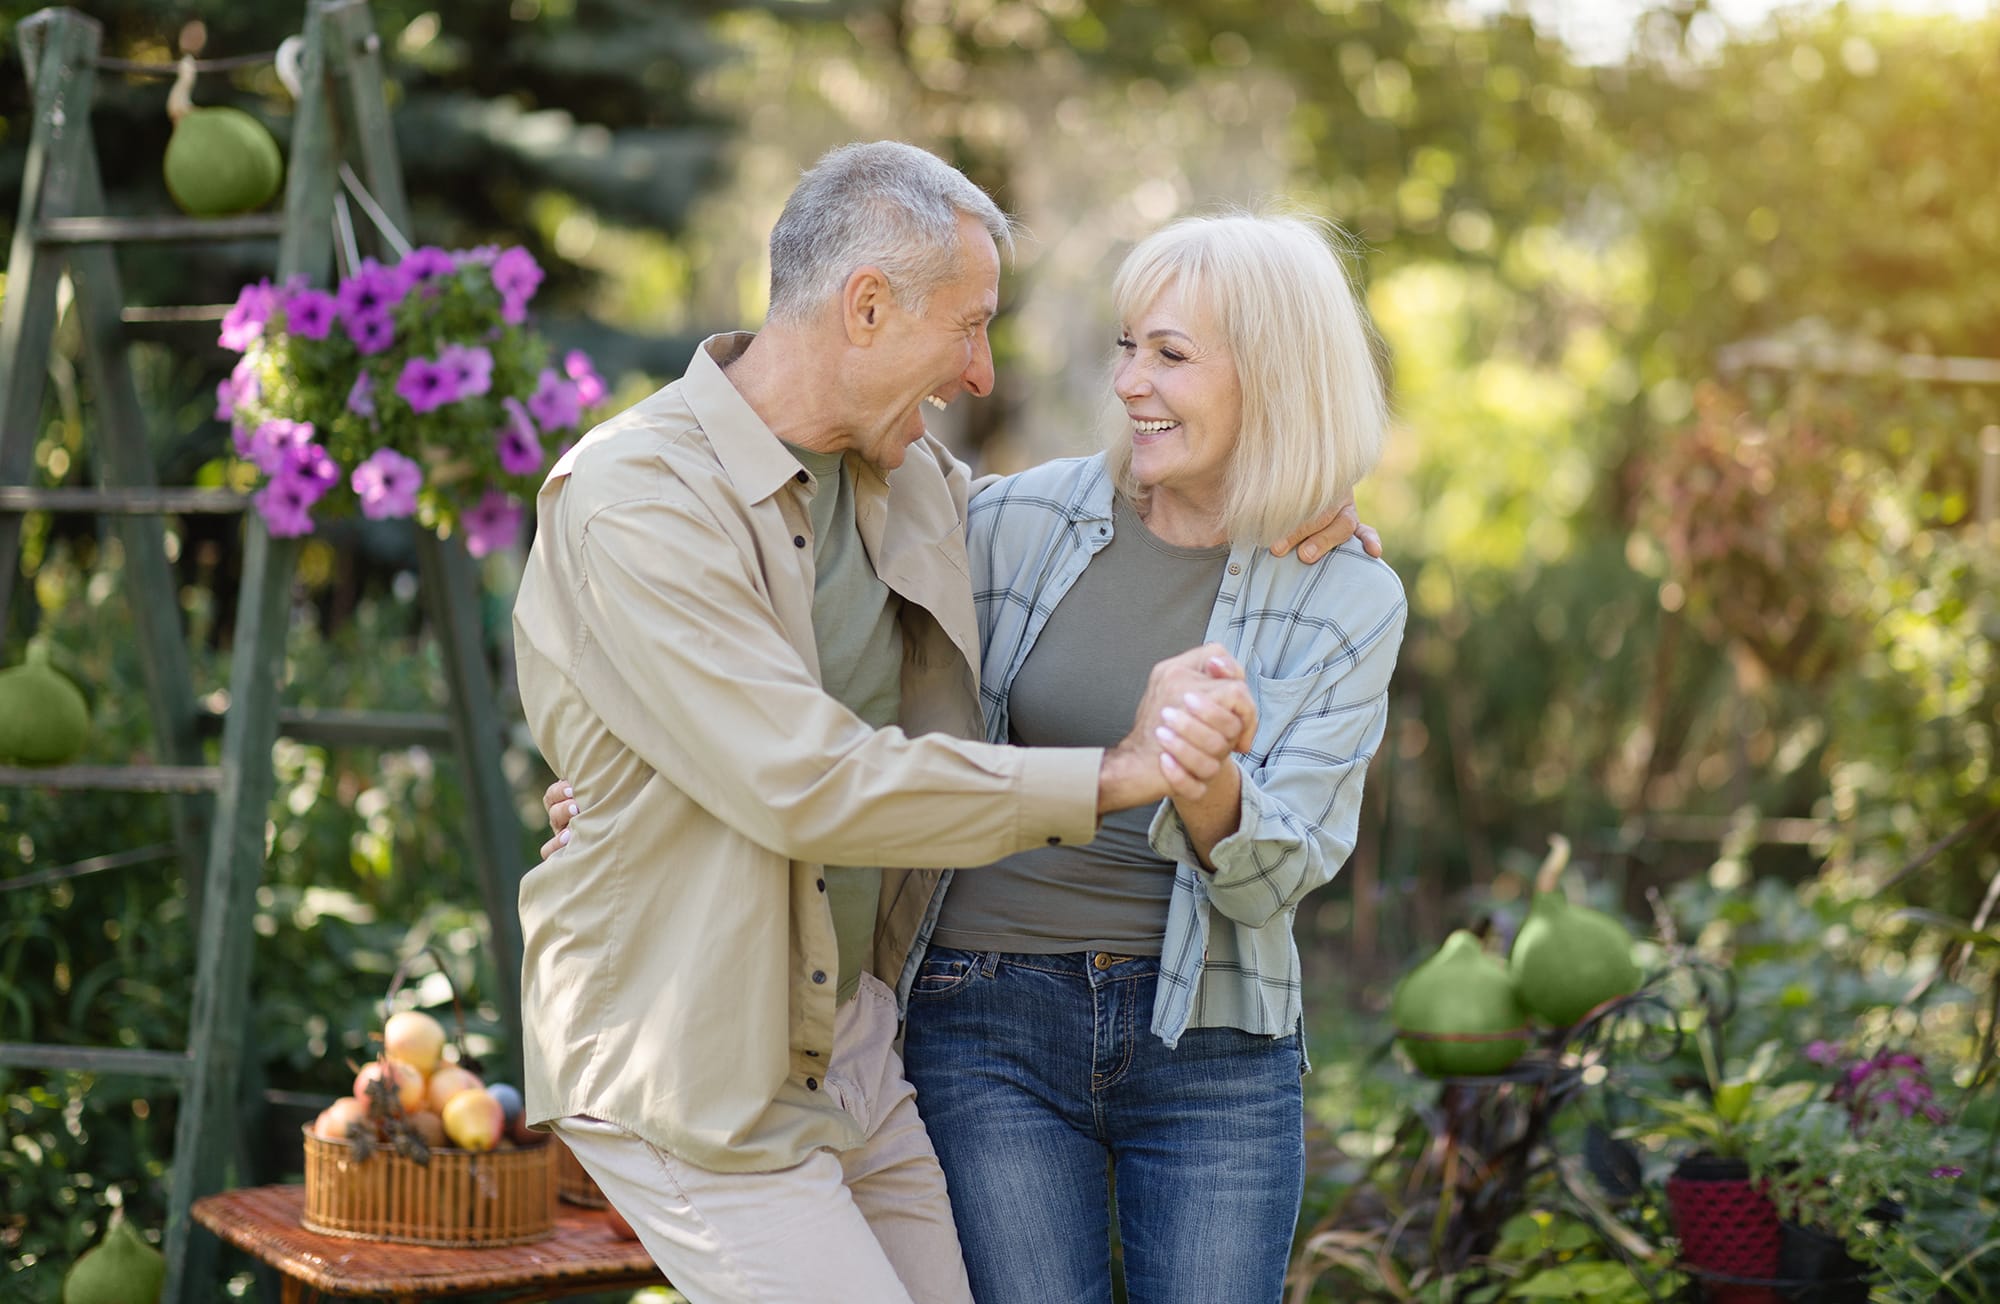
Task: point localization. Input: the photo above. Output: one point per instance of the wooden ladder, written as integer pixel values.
(220, 804)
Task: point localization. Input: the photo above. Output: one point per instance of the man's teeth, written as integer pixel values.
(1153, 427)
(934, 401)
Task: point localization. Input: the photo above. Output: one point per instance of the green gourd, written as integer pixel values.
(1460, 990)
(220, 160)
(44, 719)
(1569, 959)
(121, 1269)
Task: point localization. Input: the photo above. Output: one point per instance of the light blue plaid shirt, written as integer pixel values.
(1319, 643)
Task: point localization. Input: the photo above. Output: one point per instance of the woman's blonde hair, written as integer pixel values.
(1314, 410)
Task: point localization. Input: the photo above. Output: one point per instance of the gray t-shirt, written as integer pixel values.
(860, 665)
(1138, 602)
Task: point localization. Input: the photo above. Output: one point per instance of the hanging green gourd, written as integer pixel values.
(44, 719)
(1568, 959)
(220, 160)
(121, 1269)
(1460, 1003)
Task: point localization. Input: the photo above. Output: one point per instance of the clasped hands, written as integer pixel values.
(1196, 710)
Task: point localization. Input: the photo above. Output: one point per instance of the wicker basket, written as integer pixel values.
(574, 1182)
(460, 1198)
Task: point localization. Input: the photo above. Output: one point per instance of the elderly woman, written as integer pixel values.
(1134, 1003)
(1131, 1006)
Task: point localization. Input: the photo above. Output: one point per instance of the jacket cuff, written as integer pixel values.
(1059, 795)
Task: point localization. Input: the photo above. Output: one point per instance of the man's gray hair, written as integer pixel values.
(882, 204)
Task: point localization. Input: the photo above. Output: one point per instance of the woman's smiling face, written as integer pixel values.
(1182, 399)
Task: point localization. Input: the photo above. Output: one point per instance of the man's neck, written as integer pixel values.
(789, 378)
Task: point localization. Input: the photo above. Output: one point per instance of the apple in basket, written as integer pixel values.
(409, 1083)
(473, 1120)
(337, 1119)
(447, 1082)
(415, 1038)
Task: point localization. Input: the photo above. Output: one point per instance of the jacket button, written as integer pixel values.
(819, 975)
(821, 885)
(1055, 842)
(812, 1054)
(802, 477)
(812, 1084)
(798, 541)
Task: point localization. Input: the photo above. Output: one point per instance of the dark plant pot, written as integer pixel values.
(1821, 1267)
(1727, 1226)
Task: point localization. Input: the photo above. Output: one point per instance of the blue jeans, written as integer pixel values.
(1035, 1072)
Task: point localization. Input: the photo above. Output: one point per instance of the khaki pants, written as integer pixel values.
(871, 1225)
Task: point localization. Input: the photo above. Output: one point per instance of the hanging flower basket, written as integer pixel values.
(416, 389)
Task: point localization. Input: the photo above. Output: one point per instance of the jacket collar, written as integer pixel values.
(754, 459)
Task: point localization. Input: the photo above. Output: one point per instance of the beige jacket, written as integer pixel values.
(679, 957)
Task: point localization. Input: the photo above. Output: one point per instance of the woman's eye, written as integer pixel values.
(1125, 342)
(1172, 356)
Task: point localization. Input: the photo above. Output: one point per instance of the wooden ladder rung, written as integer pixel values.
(16, 499)
(173, 325)
(173, 1064)
(364, 728)
(114, 778)
(158, 230)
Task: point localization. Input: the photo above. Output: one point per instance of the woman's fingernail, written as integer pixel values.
(1192, 699)
(568, 791)
(1172, 714)
(573, 811)
(562, 839)
(1164, 734)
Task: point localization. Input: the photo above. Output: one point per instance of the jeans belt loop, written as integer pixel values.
(989, 964)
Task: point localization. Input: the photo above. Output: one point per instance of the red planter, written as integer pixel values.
(1727, 1226)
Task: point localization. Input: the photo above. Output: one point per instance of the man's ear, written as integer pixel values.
(864, 304)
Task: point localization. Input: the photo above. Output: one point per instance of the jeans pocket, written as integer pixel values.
(942, 973)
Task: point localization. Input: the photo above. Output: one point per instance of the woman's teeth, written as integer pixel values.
(1153, 427)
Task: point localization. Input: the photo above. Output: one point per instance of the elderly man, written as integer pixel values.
(746, 638)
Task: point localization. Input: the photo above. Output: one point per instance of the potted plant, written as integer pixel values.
(1727, 1225)
(416, 389)
(1840, 1169)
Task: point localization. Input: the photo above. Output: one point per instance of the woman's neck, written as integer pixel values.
(1175, 520)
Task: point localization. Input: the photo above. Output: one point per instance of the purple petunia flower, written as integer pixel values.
(387, 484)
(373, 288)
(311, 466)
(554, 402)
(425, 386)
(428, 263)
(286, 506)
(361, 397)
(372, 332)
(520, 450)
(477, 256)
(1823, 1052)
(239, 389)
(590, 389)
(310, 313)
(1947, 1171)
(270, 445)
(244, 321)
(470, 368)
(494, 523)
(516, 275)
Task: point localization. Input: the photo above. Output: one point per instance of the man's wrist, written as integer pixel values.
(1126, 779)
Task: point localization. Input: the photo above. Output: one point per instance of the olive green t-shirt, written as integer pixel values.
(1140, 601)
(860, 665)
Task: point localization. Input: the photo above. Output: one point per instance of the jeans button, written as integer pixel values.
(1102, 961)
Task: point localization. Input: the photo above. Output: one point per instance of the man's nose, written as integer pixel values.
(978, 374)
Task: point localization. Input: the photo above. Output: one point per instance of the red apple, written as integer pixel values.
(409, 1082)
(337, 1118)
(428, 1127)
(448, 1082)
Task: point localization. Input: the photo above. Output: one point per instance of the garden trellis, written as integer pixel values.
(220, 806)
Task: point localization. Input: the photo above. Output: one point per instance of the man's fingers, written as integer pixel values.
(1371, 542)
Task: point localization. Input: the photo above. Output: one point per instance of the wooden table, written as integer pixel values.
(582, 1255)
